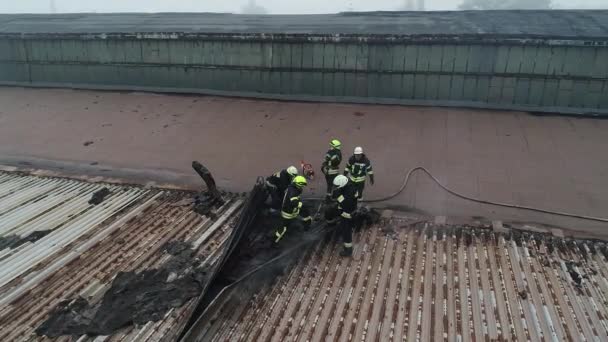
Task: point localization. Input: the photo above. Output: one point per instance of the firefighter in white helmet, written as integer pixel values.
(277, 183)
(357, 169)
(346, 195)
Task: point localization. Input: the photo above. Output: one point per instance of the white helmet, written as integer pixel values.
(358, 150)
(292, 170)
(340, 181)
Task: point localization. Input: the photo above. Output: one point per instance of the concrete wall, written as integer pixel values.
(546, 77)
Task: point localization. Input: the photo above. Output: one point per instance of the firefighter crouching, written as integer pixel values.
(331, 165)
(357, 169)
(277, 184)
(293, 214)
(346, 195)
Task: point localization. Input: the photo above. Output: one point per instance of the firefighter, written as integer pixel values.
(278, 183)
(358, 168)
(346, 196)
(293, 214)
(331, 165)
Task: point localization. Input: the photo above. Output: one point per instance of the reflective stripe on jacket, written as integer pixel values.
(358, 170)
(347, 200)
(291, 203)
(332, 161)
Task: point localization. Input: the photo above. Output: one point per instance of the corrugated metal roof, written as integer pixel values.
(429, 283)
(581, 24)
(89, 245)
(409, 279)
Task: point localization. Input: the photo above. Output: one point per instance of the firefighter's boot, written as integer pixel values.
(347, 252)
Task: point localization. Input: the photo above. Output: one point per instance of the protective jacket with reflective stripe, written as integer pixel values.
(347, 199)
(280, 180)
(358, 170)
(291, 203)
(332, 161)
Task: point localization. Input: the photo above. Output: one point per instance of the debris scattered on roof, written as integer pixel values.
(134, 232)
(98, 196)
(206, 200)
(133, 298)
(9, 241)
(430, 283)
(14, 241)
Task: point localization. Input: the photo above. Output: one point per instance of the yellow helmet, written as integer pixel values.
(335, 144)
(300, 181)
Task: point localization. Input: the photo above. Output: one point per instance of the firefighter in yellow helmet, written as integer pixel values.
(292, 211)
(331, 165)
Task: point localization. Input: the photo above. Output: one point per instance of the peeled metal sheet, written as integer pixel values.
(46, 211)
(89, 244)
(77, 222)
(58, 206)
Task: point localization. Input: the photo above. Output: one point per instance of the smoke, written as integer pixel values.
(253, 8)
(505, 4)
(413, 5)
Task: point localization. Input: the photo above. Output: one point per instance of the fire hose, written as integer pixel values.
(386, 198)
(477, 200)
(297, 247)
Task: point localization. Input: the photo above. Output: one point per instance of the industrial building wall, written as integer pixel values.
(546, 77)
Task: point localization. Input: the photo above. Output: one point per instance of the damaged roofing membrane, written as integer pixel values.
(91, 250)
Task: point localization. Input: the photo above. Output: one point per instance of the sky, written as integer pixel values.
(235, 6)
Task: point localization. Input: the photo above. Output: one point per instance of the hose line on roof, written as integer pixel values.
(383, 199)
(478, 200)
(281, 256)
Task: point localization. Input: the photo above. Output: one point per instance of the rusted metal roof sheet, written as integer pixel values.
(429, 283)
(90, 244)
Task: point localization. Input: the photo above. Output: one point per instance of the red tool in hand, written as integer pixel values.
(307, 170)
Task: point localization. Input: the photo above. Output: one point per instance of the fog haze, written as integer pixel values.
(250, 6)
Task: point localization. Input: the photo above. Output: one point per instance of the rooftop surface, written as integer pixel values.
(546, 24)
(417, 280)
(555, 162)
(548, 162)
(87, 245)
